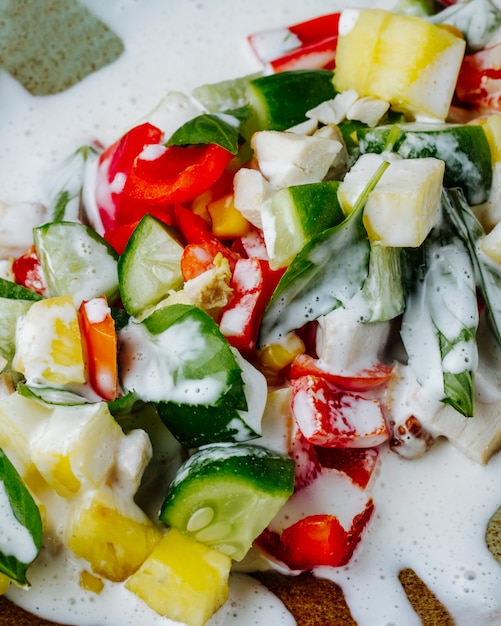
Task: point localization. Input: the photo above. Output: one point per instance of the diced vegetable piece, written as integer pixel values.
(294, 215)
(182, 579)
(316, 540)
(465, 150)
(227, 221)
(204, 391)
(304, 365)
(403, 59)
(478, 80)
(252, 283)
(100, 346)
(489, 213)
(110, 532)
(357, 463)
(49, 343)
(405, 203)
(28, 272)
(4, 583)
(332, 417)
(282, 100)
(225, 495)
(76, 261)
(75, 447)
(149, 266)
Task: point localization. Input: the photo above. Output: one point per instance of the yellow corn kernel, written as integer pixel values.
(89, 582)
(4, 583)
(183, 579)
(276, 356)
(227, 221)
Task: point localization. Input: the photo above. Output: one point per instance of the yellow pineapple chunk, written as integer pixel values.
(19, 418)
(404, 205)
(110, 532)
(89, 582)
(49, 344)
(76, 446)
(400, 58)
(183, 579)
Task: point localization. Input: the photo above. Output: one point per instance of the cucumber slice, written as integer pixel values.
(294, 215)
(464, 149)
(281, 100)
(224, 95)
(10, 311)
(76, 261)
(225, 495)
(149, 266)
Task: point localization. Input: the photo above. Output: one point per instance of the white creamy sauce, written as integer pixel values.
(15, 539)
(431, 513)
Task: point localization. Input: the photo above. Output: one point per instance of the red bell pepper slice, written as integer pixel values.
(114, 166)
(178, 174)
(332, 417)
(100, 346)
(28, 272)
(316, 55)
(364, 380)
(252, 283)
(315, 541)
(479, 80)
(308, 33)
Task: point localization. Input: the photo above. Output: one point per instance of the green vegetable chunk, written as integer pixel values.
(226, 495)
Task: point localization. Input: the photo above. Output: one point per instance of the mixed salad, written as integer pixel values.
(202, 326)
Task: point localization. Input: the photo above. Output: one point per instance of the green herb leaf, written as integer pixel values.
(221, 129)
(11, 290)
(19, 513)
(330, 269)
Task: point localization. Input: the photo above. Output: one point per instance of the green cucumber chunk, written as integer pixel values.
(149, 266)
(225, 495)
(297, 213)
(76, 261)
(463, 148)
(204, 390)
(282, 100)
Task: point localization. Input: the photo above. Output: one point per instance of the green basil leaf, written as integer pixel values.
(21, 524)
(8, 289)
(329, 270)
(222, 129)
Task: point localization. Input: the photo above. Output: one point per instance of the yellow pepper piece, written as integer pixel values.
(227, 221)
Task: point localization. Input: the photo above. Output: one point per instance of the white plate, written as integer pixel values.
(431, 514)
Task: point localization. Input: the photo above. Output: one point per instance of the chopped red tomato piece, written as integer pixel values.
(252, 283)
(306, 464)
(332, 417)
(357, 463)
(479, 80)
(100, 346)
(315, 541)
(304, 364)
(28, 272)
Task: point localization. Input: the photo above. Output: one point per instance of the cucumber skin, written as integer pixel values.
(250, 465)
(281, 100)
(196, 425)
(476, 184)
